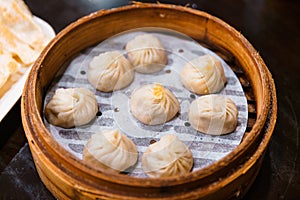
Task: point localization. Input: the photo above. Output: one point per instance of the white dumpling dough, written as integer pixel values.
(153, 104)
(146, 53)
(8, 67)
(167, 157)
(110, 150)
(71, 107)
(110, 71)
(213, 114)
(203, 75)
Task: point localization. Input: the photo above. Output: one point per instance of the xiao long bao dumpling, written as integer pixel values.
(110, 71)
(71, 107)
(146, 53)
(153, 104)
(110, 149)
(203, 75)
(167, 157)
(213, 114)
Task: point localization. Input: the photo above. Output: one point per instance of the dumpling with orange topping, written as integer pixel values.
(203, 75)
(153, 104)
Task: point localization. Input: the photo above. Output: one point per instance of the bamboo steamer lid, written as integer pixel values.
(69, 178)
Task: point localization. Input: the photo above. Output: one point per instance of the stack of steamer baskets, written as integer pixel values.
(67, 177)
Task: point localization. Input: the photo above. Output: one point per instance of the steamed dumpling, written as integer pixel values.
(153, 104)
(213, 114)
(203, 75)
(71, 107)
(110, 71)
(110, 149)
(146, 53)
(167, 157)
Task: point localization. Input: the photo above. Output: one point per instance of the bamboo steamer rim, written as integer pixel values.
(34, 125)
(259, 152)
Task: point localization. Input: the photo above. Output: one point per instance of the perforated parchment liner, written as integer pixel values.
(114, 107)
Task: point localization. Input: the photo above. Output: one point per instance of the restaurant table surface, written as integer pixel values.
(271, 26)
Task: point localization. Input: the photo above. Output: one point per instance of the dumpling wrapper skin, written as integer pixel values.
(153, 104)
(110, 71)
(146, 53)
(8, 66)
(16, 17)
(21, 41)
(167, 157)
(17, 47)
(21, 4)
(110, 150)
(203, 75)
(213, 114)
(71, 107)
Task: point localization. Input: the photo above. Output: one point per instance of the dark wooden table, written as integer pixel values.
(273, 28)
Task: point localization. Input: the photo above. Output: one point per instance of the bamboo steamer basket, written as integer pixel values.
(229, 178)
